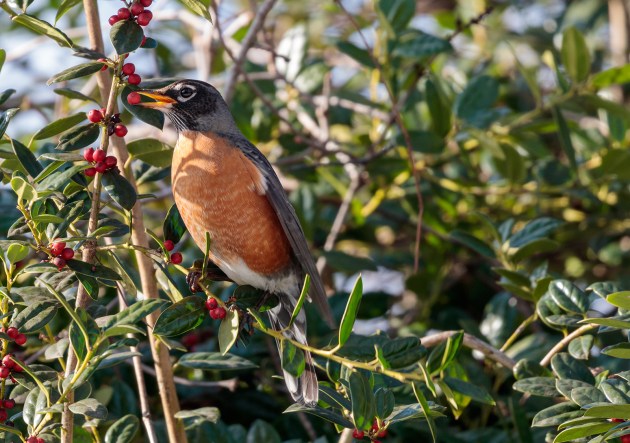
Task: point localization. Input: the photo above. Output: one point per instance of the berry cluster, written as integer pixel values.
(60, 254)
(376, 431)
(176, 257)
(134, 11)
(113, 123)
(216, 312)
(4, 405)
(35, 439)
(100, 160)
(129, 69)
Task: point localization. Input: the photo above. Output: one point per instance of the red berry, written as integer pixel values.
(99, 155)
(211, 304)
(358, 434)
(100, 167)
(133, 98)
(40, 440)
(144, 18)
(59, 262)
(7, 361)
(176, 258)
(4, 372)
(218, 313)
(8, 404)
(13, 332)
(104, 64)
(124, 14)
(120, 130)
(95, 116)
(88, 154)
(32, 439)
(57, 247)
(134, 79)
(21, 338)
(146, 3)
(136, 8)
(169, 245)
(382, 434)
(144, 40)
(113, 20)
(625, 438)
(90, 172)
(17, 368)
(128, 68)
(110, 161)
(3, 415)
(67, 254)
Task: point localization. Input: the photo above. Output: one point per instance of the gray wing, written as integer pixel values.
(290, 223)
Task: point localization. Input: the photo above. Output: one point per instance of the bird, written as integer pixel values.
(223, 185)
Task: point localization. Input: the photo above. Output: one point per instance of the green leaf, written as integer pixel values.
(533, 230)
(610, 322)
(556, 415)
(292, 358)
(174, 226)
(583, 396)
(580, 347)
(198, 7)
(70, 93)
(613, 76)
(119, 189)
(43, 28)
(359, 54)
(475, 392)
(58, 126)
(350, 313)
(402, 352)
(619, 350)
(540, 246)
(326, 414)
(565, 137)
(262, 432)
(566, 366)
(75, 72)
(150, 116)
(565, 386)
(341, 261)
(427, 142)
(540, 386)
(126, 36)
(620, 299)
(479, 95)
(397, 13)
(95, 271)
(151, 151)
(303, 295)
(419, 44)
(23, 189)
(123, 430)
(56, 180)
(5, 117)
(89, 407)
(35, 402)
(362, 398)
(609, 411)
(438, 108)
(214, 361)
(6, 94)
(426, 409)
(181, 317)
(384, 403)
(64, 7)
(35, 316)
(568, 296)
(134, 313)
(26, 158)
(472, 242)
(443, 354)
(3, 57)
(201, 414)
(17, 252)
(576, 432)
(79, 137)
(228, 331)
(575, 55)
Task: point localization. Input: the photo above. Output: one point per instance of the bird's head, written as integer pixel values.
(191, 105)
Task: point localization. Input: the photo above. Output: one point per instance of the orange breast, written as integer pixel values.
(218, 190)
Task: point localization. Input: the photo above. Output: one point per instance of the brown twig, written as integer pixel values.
(564, 342)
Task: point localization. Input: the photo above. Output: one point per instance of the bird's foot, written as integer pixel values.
(195, 277)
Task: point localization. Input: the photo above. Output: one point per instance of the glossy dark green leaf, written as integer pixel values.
(583, 396)
(564, 135)
(540, 386)
(575, 433)
(75, 72)
(71, 93)
(525, 368)
(181, 317)
(609, 411)
(59, 179)
(362, 398)
(575, 55)
(5, 117)
(90, 285)
(292, 358)
(402, 352)
(444, 353)
(64, 7)
(151, 151)
(566, 366)
(59, 126)
(343, 262)
(350, 313)
(534, 230)
(89, 407)
(580, 347)
(556, 415)
(95, 271)
(397, 13)
(384, 403)
(150, 116)
(35, 402)
(478, 96)
(119, 189)
(471, 390)
(438, 108)
(214, 361)
(540, 246)
(173, 226)
(619, 350)
(43, 28)
(566, 385)
(79, 137)
(472, 242)
(134, 313)
(6, 94)
(126, 36)
(568, 296)
(359, 54)
(123, 430)
(26, 158)
(420, 44)
(426, 142)
(198, 7)
(35, 316)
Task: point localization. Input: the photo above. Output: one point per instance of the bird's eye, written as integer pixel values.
(186, 92)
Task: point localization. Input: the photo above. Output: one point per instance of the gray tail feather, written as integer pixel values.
(303, 389)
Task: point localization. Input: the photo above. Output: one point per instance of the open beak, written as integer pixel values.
(161, 100)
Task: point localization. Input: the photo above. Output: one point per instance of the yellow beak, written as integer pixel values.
(160, 99)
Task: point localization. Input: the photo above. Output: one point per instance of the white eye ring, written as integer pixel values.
(186, 93)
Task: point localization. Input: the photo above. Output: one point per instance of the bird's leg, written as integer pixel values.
(213, 273)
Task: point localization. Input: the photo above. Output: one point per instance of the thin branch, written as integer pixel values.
(248, 41)
(564, 342)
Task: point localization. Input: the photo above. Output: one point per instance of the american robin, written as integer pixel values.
(223, 185)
